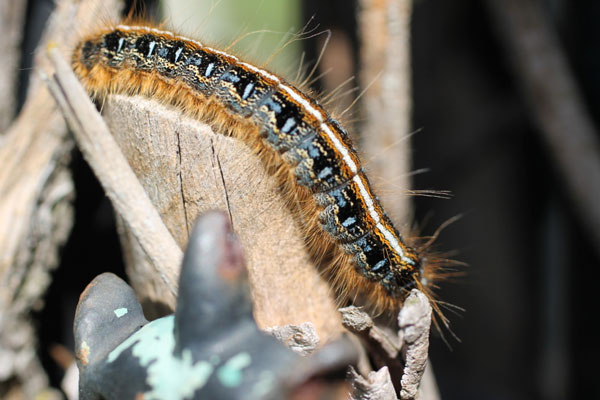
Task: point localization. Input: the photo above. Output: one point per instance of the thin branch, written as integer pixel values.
(414, 321)
(387, 105)
(404, 354)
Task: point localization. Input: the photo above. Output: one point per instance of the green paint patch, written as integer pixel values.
(230, 373)
(119, 312)
(265, 383)
(169, 377)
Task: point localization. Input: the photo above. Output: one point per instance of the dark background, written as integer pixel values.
(529, 288)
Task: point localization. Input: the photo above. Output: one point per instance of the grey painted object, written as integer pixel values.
(210, 348)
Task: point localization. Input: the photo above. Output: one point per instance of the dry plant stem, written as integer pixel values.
(12, 17)
(376, 386)
(385, 65)
(382, 346)
(405, 355)
(302, 339)
(414, 321)
(112, 170)
(556, 102)
(186, 169)
(35, 203)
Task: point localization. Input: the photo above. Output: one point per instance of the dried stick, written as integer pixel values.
(376, 386)
(556, 102)
(404, 354)
(387, 103)
(36, 192)
(302, 339)
(112, 169)
(414, 321)
(12, 23)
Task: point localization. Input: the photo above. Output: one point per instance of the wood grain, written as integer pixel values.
(187, 169)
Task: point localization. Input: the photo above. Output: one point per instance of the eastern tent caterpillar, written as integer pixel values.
(307, 149)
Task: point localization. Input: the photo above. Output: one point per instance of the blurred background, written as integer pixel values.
(528, 290)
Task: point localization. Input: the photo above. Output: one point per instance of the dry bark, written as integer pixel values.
(118, 180)
(376, 386)
(414, 321)
(12, 22)
(35, 204)
(196, 170)
(404, 354)
(302, 338)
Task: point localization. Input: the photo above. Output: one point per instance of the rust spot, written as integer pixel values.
(86, 290)
(83, 353)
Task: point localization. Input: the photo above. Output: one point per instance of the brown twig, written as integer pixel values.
(404, 354)
(376, 386)
(414, 321)
(387, 104)
(302, 339)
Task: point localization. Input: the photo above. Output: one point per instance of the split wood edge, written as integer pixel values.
(112, 169)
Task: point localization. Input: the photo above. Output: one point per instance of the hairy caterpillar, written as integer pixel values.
(311, 152)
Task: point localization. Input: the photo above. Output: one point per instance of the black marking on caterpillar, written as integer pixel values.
(310, 142)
